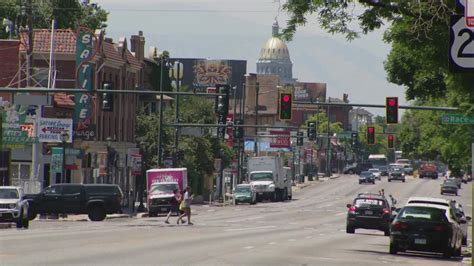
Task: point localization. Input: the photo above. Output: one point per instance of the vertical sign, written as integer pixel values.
(102, 162)
(86, 49)
(56, 160)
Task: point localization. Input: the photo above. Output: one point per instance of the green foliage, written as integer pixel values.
(67, 13)
(321, 120)
(199, 152)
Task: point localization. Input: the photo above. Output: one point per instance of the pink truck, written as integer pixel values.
(160, 186)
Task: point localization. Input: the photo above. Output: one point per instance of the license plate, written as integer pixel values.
(420, 241)
(369, 212)
(164, 209)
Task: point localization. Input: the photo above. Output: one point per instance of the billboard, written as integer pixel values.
(17, 125)
(208, 73)
(307, 91)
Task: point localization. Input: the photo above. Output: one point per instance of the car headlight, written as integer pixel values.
(271, 186)
(14, 206)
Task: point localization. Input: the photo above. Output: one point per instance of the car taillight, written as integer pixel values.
(440, 228)
(352, 210)
(386, 211)
(400, 226)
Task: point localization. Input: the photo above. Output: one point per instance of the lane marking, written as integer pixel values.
(291, 240)
(249, 228)
(272, 243)
(339, 214)
(248, 247)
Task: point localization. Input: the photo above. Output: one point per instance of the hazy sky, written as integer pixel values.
(236, 29)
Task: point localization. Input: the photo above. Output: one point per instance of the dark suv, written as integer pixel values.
(358, 168)
(369, 212)
(96, 200)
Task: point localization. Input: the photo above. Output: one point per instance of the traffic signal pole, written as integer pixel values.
(255, 147)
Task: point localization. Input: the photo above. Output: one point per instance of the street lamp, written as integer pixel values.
(176, 73)
(64, 138)
(109, 145)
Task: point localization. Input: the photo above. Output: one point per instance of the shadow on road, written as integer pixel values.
(369, 234)
(409, 254)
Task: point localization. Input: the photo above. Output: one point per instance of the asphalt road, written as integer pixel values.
(310, 230)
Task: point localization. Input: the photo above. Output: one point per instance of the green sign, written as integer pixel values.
(457, 119)
(344, 135)
(56, 160)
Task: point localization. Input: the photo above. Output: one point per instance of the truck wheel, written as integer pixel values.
(97, 214)
(26, 223)
(289, 197)
(393, 248)
(350, 229)
(32, 214)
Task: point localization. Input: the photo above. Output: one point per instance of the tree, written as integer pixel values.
(418, 60)
(67, 14)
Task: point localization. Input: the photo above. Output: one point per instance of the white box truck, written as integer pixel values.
(267, 177)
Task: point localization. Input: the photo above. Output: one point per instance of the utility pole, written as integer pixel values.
(328, 149)
(160, 135)
(29, 52)
(176, 132)
(242, 144)
(257, 90)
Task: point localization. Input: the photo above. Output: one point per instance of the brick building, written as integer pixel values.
(113, 132)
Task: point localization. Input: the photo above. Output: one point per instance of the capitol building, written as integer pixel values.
(275, 58)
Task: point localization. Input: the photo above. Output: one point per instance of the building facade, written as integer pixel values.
(112, 132)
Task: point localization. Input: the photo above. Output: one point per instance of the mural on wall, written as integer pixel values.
(18, 124)
(208, 73)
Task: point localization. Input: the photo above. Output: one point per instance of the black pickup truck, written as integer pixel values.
(96, 200)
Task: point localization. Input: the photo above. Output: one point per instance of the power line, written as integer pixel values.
(157, 10)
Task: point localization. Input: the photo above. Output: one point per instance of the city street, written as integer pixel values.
(310, 230)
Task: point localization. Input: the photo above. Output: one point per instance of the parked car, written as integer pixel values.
(426, 227)
(358, 168)
(376, 172)
(243, 193)
(366, 177)
(396, 174)
(96, 200)
(463, 221)
(368, 211)
(13, 207)
(449, 187)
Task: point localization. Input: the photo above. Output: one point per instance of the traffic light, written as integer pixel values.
(311, 130)
(285, 108)
(391, 110)
(370, 135)
(354, 137)
(299, 139)
(238, 131)
(390, 140)
(222, 101)
(107, 97)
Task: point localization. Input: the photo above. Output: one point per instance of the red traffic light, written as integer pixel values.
(286, 98)
(390, 137)
(392, 102)
(370, 129)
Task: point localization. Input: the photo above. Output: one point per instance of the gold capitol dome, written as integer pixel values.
(274, 48)
(275, 58)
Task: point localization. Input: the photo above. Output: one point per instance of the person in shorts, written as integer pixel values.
(185, 206)
(174, 202)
